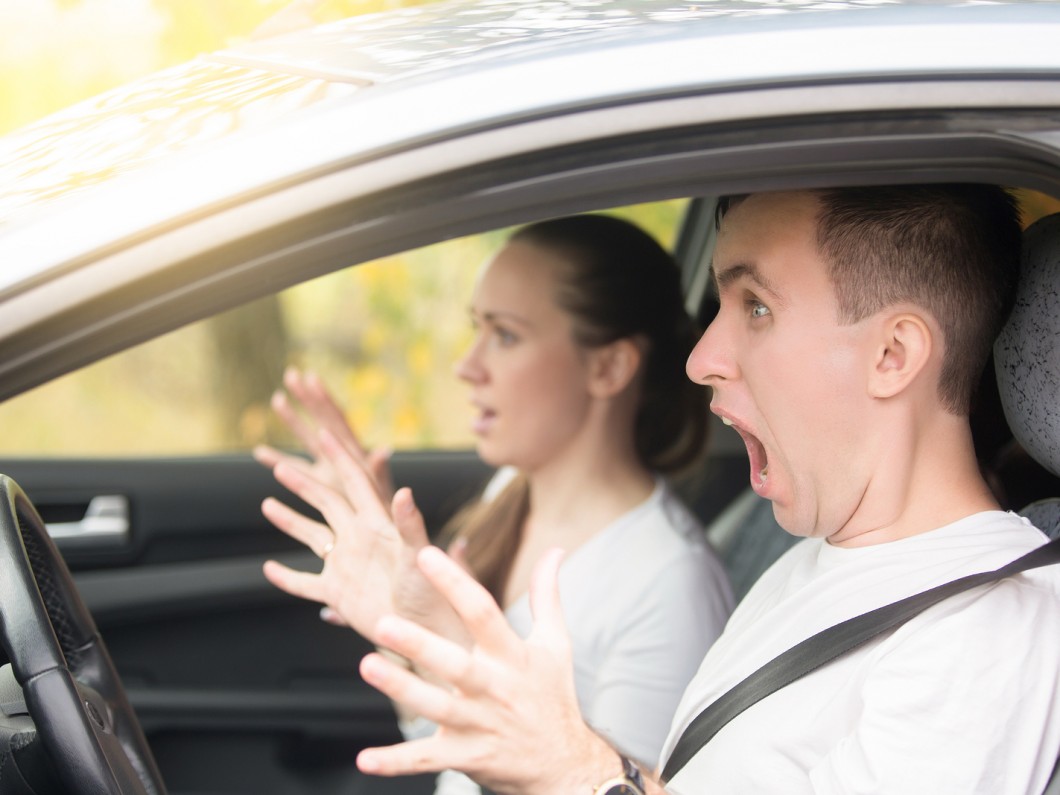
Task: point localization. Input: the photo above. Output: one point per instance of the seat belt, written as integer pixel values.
(827, 645)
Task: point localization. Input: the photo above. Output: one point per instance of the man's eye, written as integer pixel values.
(506, 337)
(758, 309)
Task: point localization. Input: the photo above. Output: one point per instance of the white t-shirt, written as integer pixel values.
(964, 698)
(643, 600)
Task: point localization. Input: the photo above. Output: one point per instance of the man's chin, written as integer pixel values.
(791, 522)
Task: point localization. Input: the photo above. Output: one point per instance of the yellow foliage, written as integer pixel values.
(369, 381)
(420, 358)
(58, 52)
(407, 426)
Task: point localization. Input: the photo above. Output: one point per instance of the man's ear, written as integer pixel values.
(902, 353)
(613, 367)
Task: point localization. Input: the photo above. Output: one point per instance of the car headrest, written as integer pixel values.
(1027, 352)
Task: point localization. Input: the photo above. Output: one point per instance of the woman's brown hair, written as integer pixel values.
(618, 283)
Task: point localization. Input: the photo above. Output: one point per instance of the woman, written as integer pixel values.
(577, 376)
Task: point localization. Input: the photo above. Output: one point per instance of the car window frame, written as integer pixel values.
(99, 309)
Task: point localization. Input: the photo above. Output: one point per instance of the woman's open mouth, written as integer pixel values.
(482, 423)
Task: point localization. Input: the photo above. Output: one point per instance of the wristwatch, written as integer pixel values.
(631, 782)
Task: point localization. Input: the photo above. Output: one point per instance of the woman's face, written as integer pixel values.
(529, 381)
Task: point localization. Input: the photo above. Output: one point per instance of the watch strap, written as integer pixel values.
(629, 782)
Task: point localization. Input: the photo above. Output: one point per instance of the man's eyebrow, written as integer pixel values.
(745, 270)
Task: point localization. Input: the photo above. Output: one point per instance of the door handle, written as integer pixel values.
(106, 517)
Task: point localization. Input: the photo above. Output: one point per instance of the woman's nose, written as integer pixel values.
(713, 358)
(469, 367)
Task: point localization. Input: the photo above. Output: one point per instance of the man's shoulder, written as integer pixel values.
(1018, 605)
(977, 540)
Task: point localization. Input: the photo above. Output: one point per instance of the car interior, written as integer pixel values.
(241, 688)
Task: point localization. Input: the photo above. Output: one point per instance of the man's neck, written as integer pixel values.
(927, 480)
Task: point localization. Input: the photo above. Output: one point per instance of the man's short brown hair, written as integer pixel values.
(950, 249)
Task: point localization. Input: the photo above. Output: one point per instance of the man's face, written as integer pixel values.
(788, 377)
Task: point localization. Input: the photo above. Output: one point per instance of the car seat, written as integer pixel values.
(748, 540)
(1027, 359)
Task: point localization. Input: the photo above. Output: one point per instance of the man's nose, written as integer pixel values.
(712, 359)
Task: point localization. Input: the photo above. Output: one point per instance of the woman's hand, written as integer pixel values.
(369, 548)
(506, 708)
(307, 408)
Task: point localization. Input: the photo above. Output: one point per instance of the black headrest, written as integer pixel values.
(1027, 352)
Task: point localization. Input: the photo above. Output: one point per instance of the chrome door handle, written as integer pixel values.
(107, 517)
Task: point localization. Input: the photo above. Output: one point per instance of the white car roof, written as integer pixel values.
(389, 81)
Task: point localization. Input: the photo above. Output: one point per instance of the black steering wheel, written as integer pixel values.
(71, 688)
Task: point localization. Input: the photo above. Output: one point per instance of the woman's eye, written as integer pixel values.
(505, 337)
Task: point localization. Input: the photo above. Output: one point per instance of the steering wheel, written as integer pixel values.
(71, 688)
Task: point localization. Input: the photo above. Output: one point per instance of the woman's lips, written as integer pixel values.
(756, 454)
(485, 420)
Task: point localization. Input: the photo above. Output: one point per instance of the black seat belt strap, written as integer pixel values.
(827, 645)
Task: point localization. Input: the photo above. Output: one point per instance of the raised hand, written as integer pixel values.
(369, 548)
(307, 408)
(506, 708)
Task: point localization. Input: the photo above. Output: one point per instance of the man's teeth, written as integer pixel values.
(726, 421)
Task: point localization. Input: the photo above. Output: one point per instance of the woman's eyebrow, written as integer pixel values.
(493, 315)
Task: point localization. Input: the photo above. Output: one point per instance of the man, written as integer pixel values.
(853, 327)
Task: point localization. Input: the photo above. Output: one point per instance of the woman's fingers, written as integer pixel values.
(293, 420)
(301, 482)
(323, 415)
(329, 615)
(408, 519)
(378, 465)
(297, 583)
(270, 457)
(359, 486)
(309, 390)
(313, 534)
(361, 530)
(322, 406)
(267, 456)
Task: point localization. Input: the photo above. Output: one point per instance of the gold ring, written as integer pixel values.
(327, 550)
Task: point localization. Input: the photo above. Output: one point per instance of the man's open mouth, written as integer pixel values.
(756, 453)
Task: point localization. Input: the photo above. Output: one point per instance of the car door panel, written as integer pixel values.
(239, 687)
